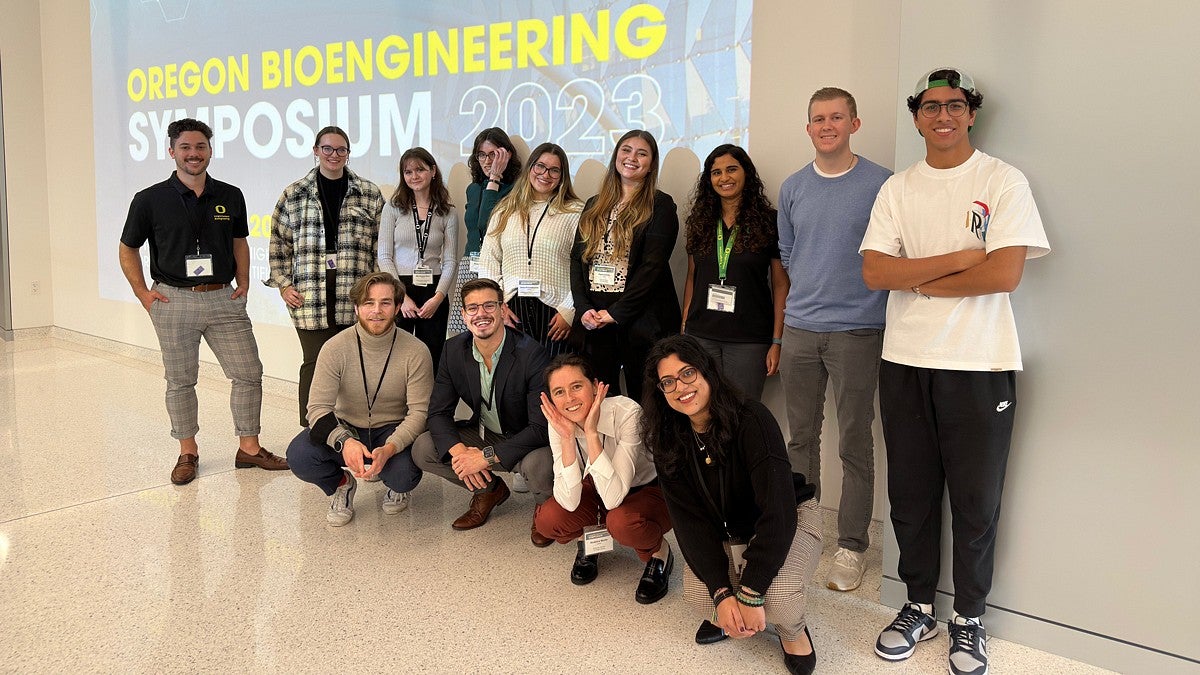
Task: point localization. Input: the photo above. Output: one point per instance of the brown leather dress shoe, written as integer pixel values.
(263, 460)
(481, 506)
(537, 538)
(185, 469)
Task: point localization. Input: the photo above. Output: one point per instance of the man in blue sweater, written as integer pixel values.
(833, 324)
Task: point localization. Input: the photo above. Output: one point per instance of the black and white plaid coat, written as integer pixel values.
(298, 246)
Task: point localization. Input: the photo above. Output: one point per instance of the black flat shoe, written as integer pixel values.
(800, 665)
(653, 585)
(586, 568)
(708, 633)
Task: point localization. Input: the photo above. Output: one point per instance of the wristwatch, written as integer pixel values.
(341, 440)
(489, 453)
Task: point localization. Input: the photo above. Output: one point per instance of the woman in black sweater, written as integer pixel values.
(748, 527)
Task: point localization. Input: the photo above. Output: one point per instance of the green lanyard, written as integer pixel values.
(723, 251)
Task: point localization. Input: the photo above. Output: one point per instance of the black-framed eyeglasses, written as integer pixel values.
(473, 309)
(328, 150)
(955, 108)
(541, 169)
(687, 376)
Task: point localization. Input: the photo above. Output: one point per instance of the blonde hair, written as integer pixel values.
(593, 224)
(520, 200)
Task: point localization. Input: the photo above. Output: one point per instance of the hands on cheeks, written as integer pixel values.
(562, 425)
(593, 416)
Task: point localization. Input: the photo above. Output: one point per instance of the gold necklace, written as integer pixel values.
(703, 448)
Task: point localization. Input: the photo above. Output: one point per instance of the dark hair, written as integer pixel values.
(439, 196)
(667, 433)
(974, 98)
(331, 130)
(756, 216)
(480, 284)
(499, 139)
(174, 129)
(362, 288)
(569, 361)
(593, 224)
(832, 94)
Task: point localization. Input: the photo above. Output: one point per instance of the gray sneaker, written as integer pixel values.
(968, 647)
(847, 571)
(519, 484)
(394, 502)
(899, 640)
(341, 508)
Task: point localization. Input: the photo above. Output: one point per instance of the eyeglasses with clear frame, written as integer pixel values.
(474, 308)
(688, 375)
(329, 150)
(541, 169)
(930, 109)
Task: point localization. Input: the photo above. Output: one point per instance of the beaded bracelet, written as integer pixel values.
(750, 599)
(721, 596)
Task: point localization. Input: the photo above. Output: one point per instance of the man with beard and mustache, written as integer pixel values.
(498, 373)
(367, 404)
(197, 231)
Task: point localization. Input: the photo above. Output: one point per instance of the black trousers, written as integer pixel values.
(431, 331)
(610, 350)
(535, 317)
(311, 342)
(946, 429)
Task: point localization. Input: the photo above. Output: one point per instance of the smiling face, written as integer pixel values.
(377, 313)
(545, 183)
(946, 141)
(486, 155)
(728, 177)
(633, 160)
(333, 163)
(484, 323)
(418, 175)
(688, 398)
(191, 152)
(572, 393)
(830, 124)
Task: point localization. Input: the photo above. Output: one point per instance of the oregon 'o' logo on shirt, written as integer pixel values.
(977, 220)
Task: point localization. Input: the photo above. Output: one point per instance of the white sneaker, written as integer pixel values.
(847, 570)
(394, 502)
(341, 509)
(519, 484)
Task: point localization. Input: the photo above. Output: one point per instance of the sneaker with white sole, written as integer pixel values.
(968, 647)
(394, 502)
(341, 508)
(847, 570)
(519, 484)
(899, 640)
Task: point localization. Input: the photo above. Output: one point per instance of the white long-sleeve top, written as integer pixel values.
(505, 259)
(623, 462)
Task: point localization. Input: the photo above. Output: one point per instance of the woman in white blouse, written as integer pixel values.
(527, 249)
(603, 475)
(418, 244)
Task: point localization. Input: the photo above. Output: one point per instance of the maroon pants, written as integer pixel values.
(639, 522)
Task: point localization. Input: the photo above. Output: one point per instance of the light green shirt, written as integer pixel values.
(488, 412)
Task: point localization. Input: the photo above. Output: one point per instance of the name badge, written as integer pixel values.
(529, 288)
(737, 552)
(721, 298)
(604, 275)
(476, 266)
(596, 539)
(331, 260)
(422, 275)
(199, 265)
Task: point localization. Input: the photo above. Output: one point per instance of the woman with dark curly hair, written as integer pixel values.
(736, 285)
(748, 528)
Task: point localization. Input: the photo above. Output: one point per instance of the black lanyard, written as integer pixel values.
(362, 365)
(718, 511)
(528, 240)
(197, 224)
(422, 237)
(487, 402)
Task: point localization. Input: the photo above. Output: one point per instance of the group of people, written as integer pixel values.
(557, 307)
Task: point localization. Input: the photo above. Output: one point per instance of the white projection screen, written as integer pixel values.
(267, 75)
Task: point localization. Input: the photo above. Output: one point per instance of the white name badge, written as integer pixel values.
(596, 539)
(422, 275)
(331, 260)
(737, 551)
(476, 266)
(721, 298)
(199, 265)
(529, 288)
(604, 275)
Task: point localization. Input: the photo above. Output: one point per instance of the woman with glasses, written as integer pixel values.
(495, 167)
(736, 286)
(747, 526)
(527, 249)
(602, 475)
(323, 239)
(418, 244)
(621, 264)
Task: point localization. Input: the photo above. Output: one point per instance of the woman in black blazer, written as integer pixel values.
(620, 267)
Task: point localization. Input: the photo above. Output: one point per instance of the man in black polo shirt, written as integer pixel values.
(197, 232)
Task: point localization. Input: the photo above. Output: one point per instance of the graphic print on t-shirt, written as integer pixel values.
(977, 220)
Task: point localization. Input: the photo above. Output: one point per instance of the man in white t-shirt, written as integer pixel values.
(949, 237)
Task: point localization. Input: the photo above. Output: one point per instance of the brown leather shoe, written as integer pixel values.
(263, 460)
(481, 506)
(185, 469)
(537, 538)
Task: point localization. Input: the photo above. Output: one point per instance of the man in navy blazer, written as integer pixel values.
(499, 374)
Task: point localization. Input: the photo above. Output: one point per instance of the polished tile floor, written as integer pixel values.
(107, 567)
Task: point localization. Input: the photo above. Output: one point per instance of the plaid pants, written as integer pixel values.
(226, 328)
